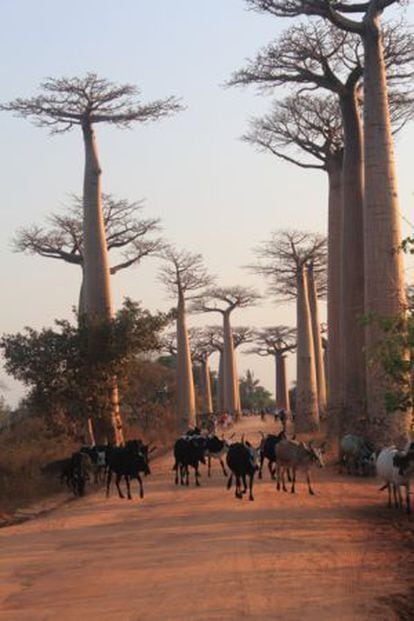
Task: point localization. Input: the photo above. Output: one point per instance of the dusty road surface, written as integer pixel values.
(187, 554)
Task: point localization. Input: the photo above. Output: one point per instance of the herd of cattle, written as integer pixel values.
(284, 456)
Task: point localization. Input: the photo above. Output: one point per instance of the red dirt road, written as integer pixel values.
(186, 554)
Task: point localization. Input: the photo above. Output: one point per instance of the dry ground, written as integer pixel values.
(186, 554)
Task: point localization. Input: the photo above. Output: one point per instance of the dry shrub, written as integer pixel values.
(25, 446)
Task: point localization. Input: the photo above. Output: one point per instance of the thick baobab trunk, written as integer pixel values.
(317, 340)
(205, 379)
(334, 299)
(230, 381)
(96, 277)
(384, 278)
(282, 392)
(220, 384)
(352, 273)
(307, 414)
(185, 380)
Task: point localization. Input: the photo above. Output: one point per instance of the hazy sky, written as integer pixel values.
(214, 194)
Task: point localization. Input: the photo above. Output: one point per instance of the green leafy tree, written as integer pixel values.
(253, 396)
(69, 369)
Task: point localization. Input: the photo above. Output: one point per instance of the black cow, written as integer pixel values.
(128, 462)
(241, 459)
(79, 472)
(97, 455)
(267, 451)
(216, 448)
(189, 450)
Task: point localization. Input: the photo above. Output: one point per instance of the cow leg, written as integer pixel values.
(281, 470)
(108, 482)
(399, 497)
(251, 479)
(141, 487)
(278, 472)
(289, 476)
(128, 484)
(117, 480)
(176, 467)
(272, 470)
(238, 493)
(310, 490)
(261, 466)
(230, 481)
(243, 478)
(209, 466)
(394, 492)
(197, 476)
(388, 487)
(223, 467)
(292, 489)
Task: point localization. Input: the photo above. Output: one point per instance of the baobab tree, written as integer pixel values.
(284, 259)
(69, 102)
(225, 300)
(201, 352)
(384, 277)
(128, 235)
(319, 55)
(277, 341)
(214, 336)
(311, 126)
(184, 275)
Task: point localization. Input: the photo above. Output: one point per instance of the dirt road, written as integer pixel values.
(186, 554)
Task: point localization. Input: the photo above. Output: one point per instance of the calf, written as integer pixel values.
(267, 451)
(189, 451)
(396, 469)
(129, 462)
(355, 454)
(296, 456)
(216, 448)
(242, 461)
(79, 472)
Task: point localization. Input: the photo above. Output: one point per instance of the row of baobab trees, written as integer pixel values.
(366, 70)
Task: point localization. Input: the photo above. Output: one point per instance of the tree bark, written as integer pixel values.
(352, 338)
(334, 300)
(220, 385)
(230, 380)
(207, 399)
(185, 380)
(282, 392)
(96, 281)
(317, 340)
(307, 414)
(384, 278)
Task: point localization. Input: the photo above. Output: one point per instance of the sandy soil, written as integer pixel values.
(187, 554)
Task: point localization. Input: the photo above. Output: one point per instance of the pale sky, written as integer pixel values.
(214, 194)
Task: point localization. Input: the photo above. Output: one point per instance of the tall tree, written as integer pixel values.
(125, 233)
(225, 300)
(184, 275)
(384, 278)
(284, 260)
(277, 341)
(312, 126)
(84, 102)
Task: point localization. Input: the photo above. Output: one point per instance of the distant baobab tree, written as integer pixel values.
(65, 103)
(214, 335)
(201, 352)
(284, 259)
(307, 131)
(384, 276)
(225, 300)
(62, 239)
(183, 274)
(277, 341)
